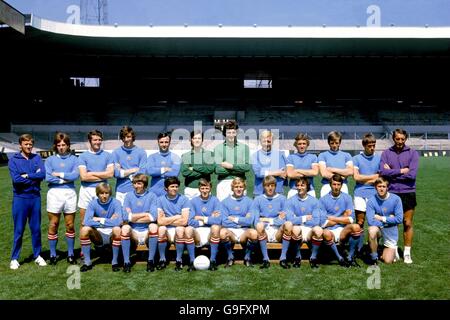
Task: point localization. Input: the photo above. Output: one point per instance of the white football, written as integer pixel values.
(201, 263)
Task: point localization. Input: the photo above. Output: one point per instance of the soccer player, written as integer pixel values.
(366, 167)
(268, 162)
(237, 223)
(173, 216)
(129, 159)
(96, 166)
(142, 227)
(27, 171)
(301, 164)
(334, 161)
(101, 225)
(303, 219)
(232, 159)
(384, 214)
(339, 226)
(61, 171)
(399, 165)
(269, 210)
(162, 164)
(196, 164)
(206, 218)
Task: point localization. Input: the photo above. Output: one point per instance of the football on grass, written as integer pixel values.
(201, 263)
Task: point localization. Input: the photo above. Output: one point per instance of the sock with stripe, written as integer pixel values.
(152, 245)
(115, 251)
(125, 242)
(298, 246)
(86, 250)
(333, 247)
(316, 243)
(179, 245)
(249, 249)
(52, 242)
(162, 245)
(70, 238)
(229, 249)
(374, 255)
(214, 245)
(263, 245)
(353, 244)
(191, 249)
(284, 246)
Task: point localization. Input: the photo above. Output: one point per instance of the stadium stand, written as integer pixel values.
(422, 137)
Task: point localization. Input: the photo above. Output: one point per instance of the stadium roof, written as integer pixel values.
(233, 41)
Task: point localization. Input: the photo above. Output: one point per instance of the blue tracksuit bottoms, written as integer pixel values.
(24, 209)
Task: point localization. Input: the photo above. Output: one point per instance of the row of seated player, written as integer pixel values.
(206, 221)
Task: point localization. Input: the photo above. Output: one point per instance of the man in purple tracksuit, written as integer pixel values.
(27, 171)
(399, 165)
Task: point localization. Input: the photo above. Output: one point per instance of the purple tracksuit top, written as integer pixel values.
(400, 183)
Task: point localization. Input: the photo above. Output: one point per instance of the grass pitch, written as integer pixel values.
(427, 278)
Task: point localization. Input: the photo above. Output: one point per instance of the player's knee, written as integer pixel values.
(252, 234)
(288, 226)
(126, 230)
(53, 227)
(355, 227)
(153, 228)
(224, 233)
(116, 231)
(70, 227)
(296, 231)
(317, 232)
(327, 235)
(162, 230)
(84, 232)
(189, 232)
(215, 230)
(179, 232)
(373, 232)
(388, 260)
(407, 223)
(260, 227)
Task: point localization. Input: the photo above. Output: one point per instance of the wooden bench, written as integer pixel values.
(270, 246)
(237, 246)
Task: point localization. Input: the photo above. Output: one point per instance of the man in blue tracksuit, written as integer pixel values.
(27, 171)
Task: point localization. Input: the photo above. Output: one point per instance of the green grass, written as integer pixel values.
(427, 278)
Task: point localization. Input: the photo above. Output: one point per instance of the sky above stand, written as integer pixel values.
(250, 12)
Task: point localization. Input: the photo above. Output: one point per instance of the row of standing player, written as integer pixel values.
(62, 171)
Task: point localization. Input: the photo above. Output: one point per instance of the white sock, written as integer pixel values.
(407, 251)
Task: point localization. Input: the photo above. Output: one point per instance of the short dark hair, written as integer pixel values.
(165, 134)
(368, 138)
(399, 131)
(95, 133)
(230, 124)
(305, 180)
(337, 177)
(196, 132)
(171, 180)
